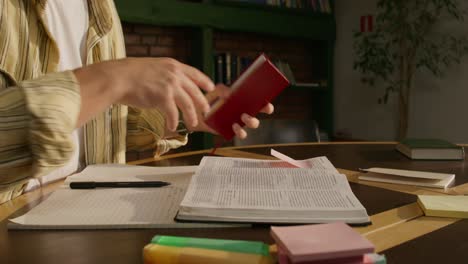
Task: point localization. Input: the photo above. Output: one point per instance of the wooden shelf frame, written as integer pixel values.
(287, 23)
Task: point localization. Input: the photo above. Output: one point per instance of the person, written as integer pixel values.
(69, 96)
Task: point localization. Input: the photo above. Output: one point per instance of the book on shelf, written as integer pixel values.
(228, 66)
(430, 149)
(235, 68)
(408, 177)
(258, 85)
(455, 206)
(265, 191)
(219, 68)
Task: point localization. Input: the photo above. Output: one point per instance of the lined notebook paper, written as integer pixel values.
(110, 208)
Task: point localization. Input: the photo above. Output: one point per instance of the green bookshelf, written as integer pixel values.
(206, 17)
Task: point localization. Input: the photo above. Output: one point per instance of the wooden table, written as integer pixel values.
(399, 229)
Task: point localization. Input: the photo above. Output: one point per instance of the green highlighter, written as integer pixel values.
(181, 250)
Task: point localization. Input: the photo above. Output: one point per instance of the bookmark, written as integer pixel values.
(289, 160)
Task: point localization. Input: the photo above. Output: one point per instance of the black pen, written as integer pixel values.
(141, 184)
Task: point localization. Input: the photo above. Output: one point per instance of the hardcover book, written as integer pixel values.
(408, 177)
(258, 85)
(265, 191)
(430, 149)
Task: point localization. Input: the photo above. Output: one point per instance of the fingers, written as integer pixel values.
(186, 105)
(172, 114)
(191, 81)
(249, 121)
(199, 78)
(220, 91)
(194, 92)
(186, 83)
(240, 133)
(268, 109)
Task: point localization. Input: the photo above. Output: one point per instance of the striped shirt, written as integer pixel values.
(39, 106)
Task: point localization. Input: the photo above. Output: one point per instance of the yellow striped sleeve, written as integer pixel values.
(145, 130)
(15, 156)
(37, 118)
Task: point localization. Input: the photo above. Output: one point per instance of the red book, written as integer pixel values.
(258, 85)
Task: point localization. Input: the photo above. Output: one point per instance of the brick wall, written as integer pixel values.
(152, 41)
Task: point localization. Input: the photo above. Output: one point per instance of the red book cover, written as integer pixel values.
(258, 85)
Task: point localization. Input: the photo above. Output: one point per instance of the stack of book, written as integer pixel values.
(430, 149)
(325, 243)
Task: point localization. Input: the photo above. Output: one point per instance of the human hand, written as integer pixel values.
(166, 84)
(220, 92)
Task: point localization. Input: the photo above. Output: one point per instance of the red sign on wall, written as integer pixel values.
(367, 23)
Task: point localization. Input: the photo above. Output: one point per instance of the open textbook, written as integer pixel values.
(259, 191)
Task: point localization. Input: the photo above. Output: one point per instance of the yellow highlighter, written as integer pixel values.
(185, 250)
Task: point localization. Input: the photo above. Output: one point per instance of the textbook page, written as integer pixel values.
(261, 189)
(111, 208)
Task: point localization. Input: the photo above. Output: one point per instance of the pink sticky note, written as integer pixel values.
(295, 163)
(306, 243)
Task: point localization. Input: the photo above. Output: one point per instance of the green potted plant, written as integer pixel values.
(405, 41)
